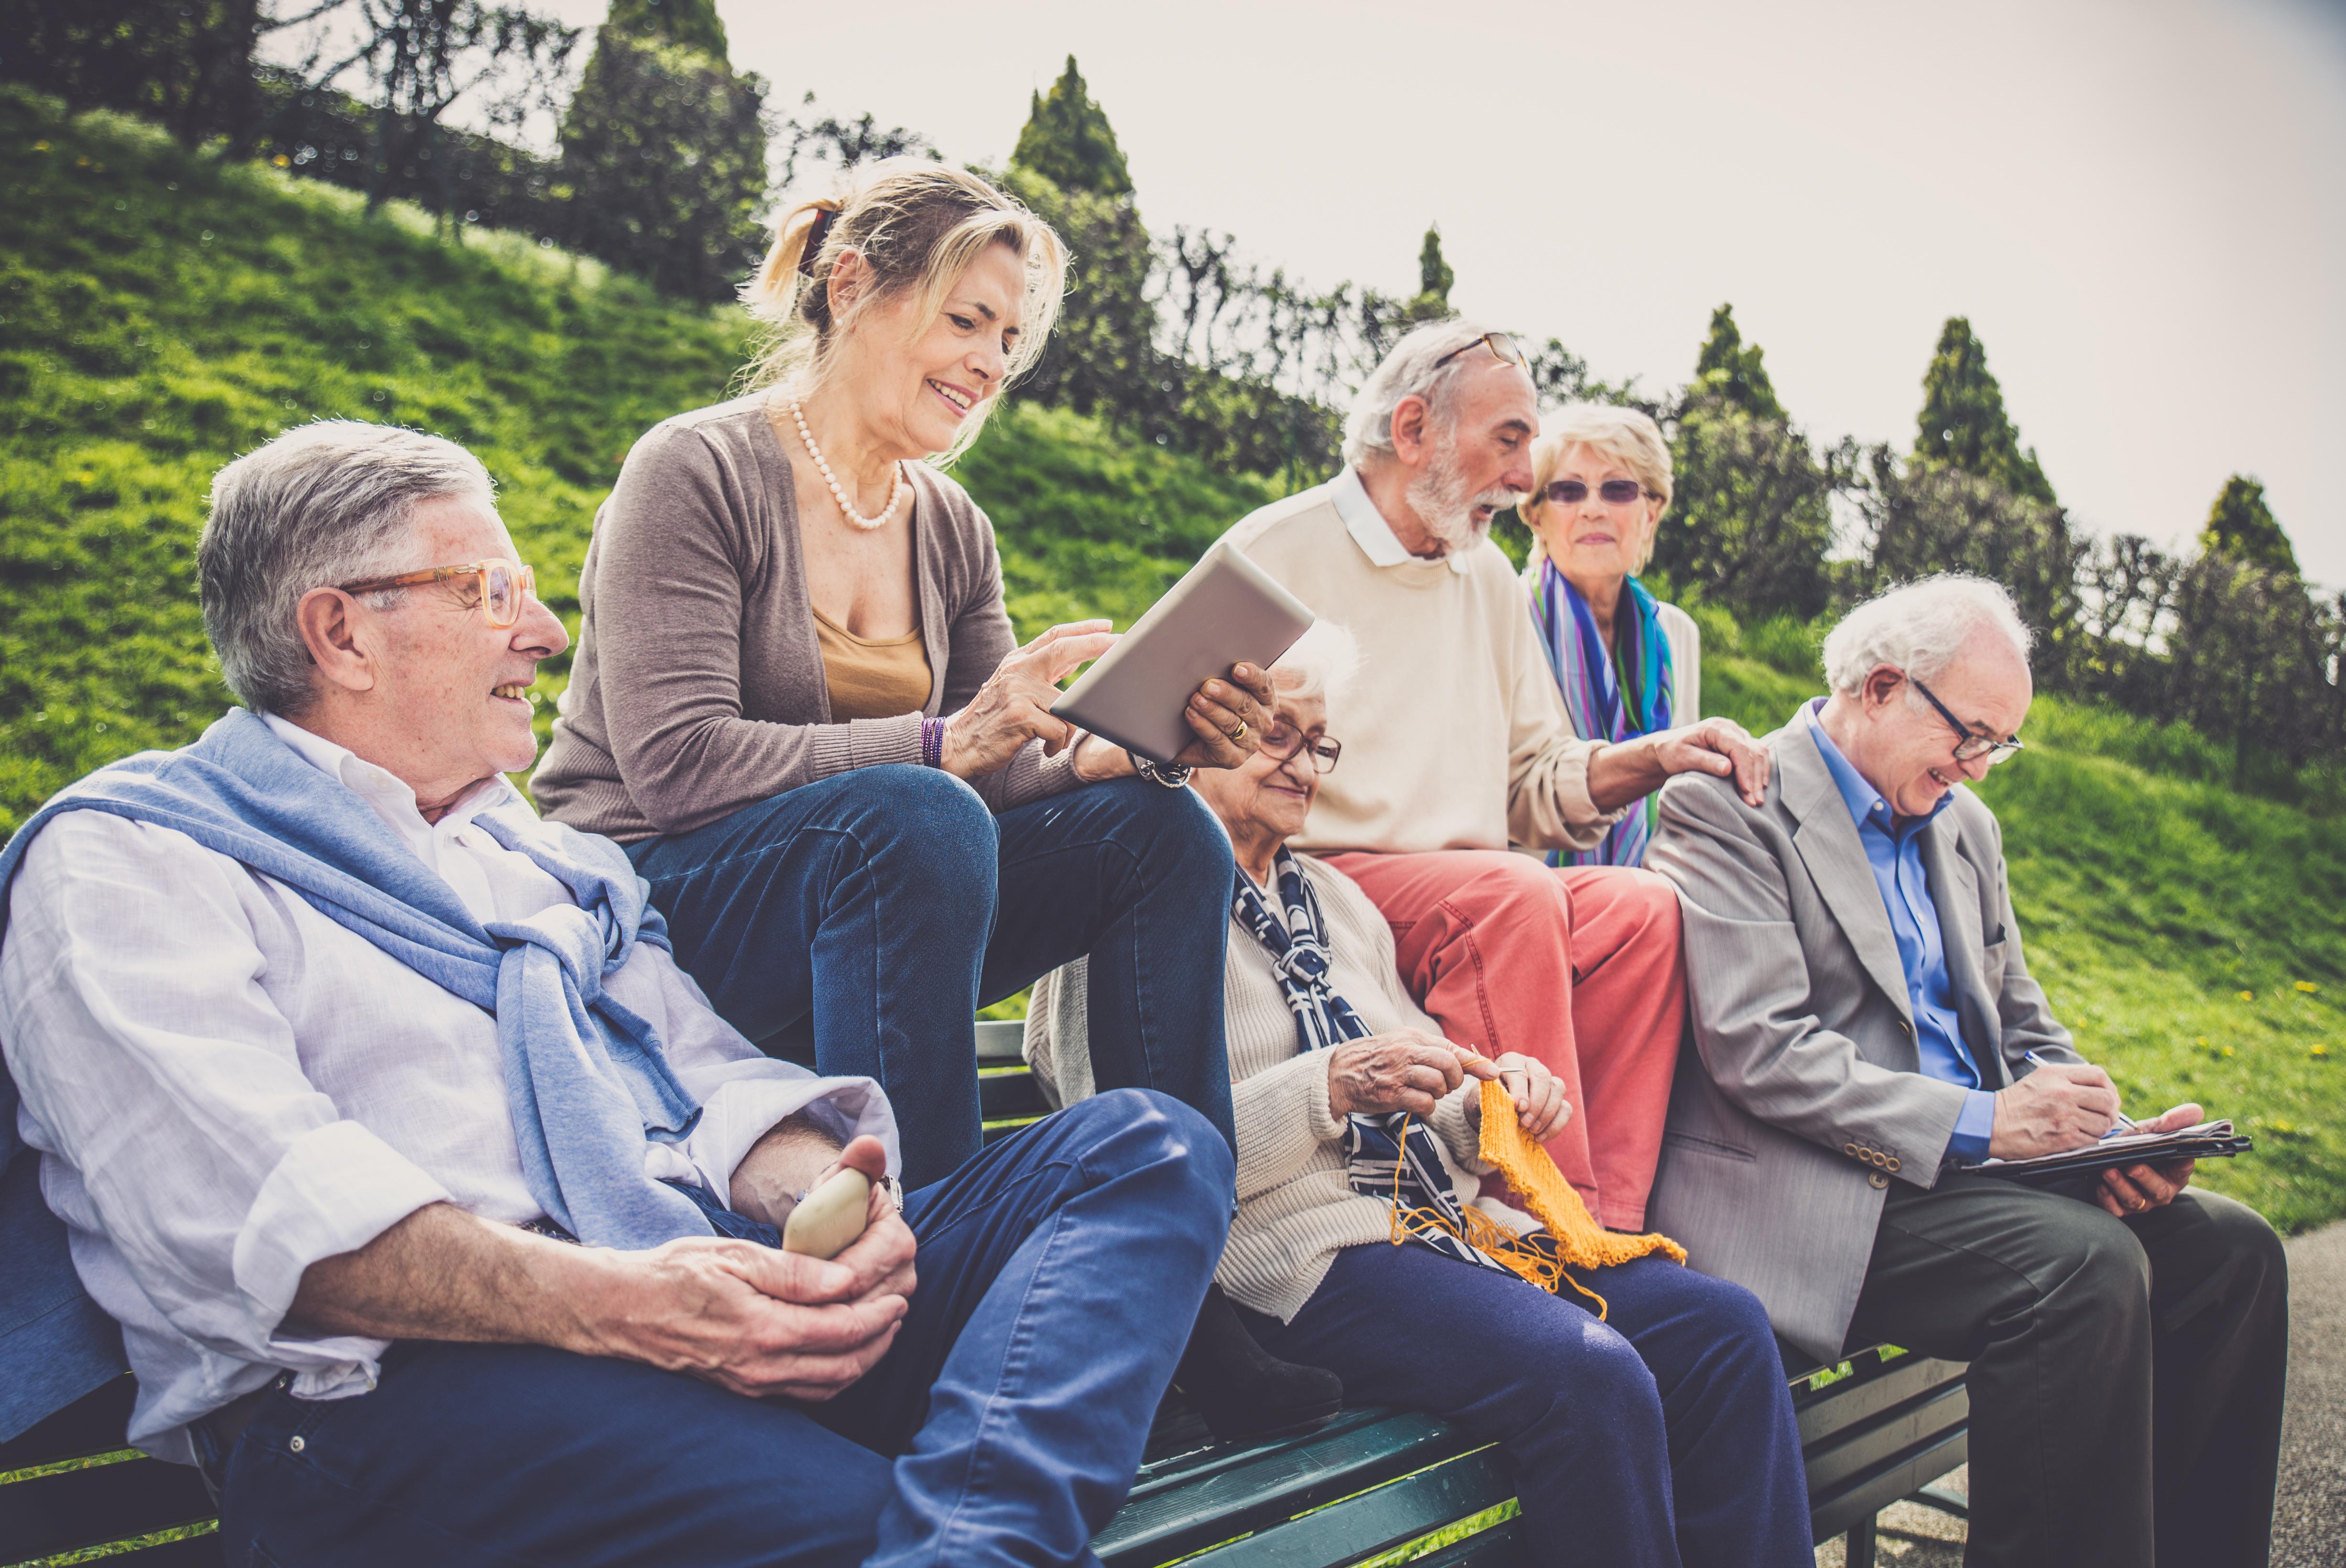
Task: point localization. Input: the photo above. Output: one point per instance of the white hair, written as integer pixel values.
(1409, 370)
(1920, 627)
(325, 504)
(1320, 665)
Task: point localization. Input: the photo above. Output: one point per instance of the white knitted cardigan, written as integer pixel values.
(1296, 1210)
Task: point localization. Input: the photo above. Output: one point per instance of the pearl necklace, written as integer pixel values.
(895, 491)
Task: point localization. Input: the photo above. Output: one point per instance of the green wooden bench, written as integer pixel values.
(1369, 1487)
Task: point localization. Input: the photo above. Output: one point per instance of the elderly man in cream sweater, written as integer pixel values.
(1458, 746)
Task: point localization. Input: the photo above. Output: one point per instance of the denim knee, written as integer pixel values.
(1177, 828)
(1129, 1129)
(939, 827)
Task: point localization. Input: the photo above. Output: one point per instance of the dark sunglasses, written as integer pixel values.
(1500, 343)
(1615, 492)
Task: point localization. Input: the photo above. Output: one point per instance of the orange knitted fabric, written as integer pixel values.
(1580, 1241)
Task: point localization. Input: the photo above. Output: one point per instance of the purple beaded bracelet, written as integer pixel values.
(932, 743)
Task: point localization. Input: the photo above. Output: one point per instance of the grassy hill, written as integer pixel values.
(161, 313)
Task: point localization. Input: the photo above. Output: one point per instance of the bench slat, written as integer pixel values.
(1387, 1517)
(90, 1425)
(1848, 1403)
(106, 1503)
(1272, 1484)
(1857, 1452)
(1911, 1471)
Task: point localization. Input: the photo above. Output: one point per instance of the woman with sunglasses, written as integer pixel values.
(1628, 664)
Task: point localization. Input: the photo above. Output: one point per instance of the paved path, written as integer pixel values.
(2309, 1517)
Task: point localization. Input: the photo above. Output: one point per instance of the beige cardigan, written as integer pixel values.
(1296, 1209)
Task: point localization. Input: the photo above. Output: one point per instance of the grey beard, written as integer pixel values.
(1440, 498)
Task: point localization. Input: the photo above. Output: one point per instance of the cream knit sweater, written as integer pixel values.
(1454, 735)
(1296, 1209)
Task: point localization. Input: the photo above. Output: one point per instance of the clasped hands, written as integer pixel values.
(2065, 1106)
(1411, 1070)
(1014, 707)
(762, 1322)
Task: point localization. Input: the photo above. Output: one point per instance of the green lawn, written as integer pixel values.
(159, 313)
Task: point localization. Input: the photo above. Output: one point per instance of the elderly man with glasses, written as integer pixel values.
(1865, 1031)
(333, 1056)
(1458, 746)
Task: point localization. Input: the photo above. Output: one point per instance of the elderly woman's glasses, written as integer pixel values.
(1283, 741)
(1613, 492)
(1500, 343)
(504, 586)
(1970, 747)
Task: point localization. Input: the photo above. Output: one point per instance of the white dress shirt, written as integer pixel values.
(227, 1087)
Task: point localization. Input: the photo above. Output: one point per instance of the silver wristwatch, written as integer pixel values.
(1172, 775)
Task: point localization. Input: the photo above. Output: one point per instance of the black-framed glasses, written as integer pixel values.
(1283, 741)
(1500, 343)
(1971, 747)
(1613, 492)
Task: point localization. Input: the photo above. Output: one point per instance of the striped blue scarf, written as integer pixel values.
(1603, 705)
(1391, 1155)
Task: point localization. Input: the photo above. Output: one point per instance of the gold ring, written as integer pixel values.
(1239, 733)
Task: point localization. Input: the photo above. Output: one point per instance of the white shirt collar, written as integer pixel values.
(386, 791)
(1368, 529)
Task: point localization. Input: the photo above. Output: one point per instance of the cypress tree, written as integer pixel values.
(1733, 373)
(2242, 528)
(664, 150)
(1963, 425)
(1435, 275)
(1068, 141)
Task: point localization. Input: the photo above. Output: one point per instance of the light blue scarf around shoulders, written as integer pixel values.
(587, 1079)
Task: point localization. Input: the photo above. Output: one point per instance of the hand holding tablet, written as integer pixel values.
(1222, 625)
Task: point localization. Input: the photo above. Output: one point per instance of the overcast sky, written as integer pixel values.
(2140, 204)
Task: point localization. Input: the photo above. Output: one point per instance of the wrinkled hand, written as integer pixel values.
(759, 1321)
(1541, 1108)
(1405, 1070)
(2138, 1189)
(1220, 706)
(1013, 706)
(2058, 1107)
(1719, 747)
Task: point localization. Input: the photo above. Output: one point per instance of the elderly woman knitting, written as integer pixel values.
(1643, 1404)
(1628, 664)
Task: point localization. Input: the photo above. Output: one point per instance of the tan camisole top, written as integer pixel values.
(870, 679)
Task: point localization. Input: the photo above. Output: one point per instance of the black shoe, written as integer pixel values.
(1241, 1389)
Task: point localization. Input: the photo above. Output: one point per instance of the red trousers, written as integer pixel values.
(1579, 968)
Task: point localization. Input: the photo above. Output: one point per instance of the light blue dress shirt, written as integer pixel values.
(1895, 849)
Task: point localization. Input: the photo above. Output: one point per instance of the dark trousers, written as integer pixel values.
(2127, 1376)
(1663, 1435)
(1059, 1273)
(870, 913)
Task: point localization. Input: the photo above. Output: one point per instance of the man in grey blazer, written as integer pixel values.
(1864, 1026)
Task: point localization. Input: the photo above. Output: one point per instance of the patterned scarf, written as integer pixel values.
(1391, 1155)
(1607, 702)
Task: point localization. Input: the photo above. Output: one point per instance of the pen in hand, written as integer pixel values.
(2122, 1121)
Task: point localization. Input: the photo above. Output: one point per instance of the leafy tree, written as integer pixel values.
(185, 63)
(1963, 424)
(2242, 528)
(1068, 141)
(1732, 374)
(664, 151)
(1929, 518)
(840, 144)
(1750, 521)
(693, 23)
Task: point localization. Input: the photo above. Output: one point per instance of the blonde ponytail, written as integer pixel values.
(775, 288)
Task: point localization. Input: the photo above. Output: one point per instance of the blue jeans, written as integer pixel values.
(878, 910)
(1059, 1273)
(1662, 1436)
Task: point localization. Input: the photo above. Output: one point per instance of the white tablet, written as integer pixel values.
(1225, 610)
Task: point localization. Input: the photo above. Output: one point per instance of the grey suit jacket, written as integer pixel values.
(1801, 1097)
